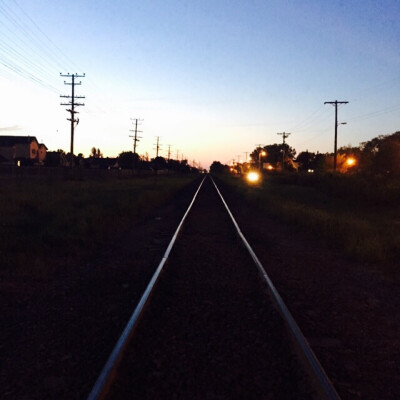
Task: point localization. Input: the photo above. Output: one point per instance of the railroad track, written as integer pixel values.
(210, 324)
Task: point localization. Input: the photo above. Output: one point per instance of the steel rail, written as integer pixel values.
(324, 385)
(104, 380)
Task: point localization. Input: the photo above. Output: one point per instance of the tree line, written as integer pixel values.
(125, 160)
(379, 156)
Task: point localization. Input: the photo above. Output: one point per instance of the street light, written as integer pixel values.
(351, 161)
(253, 177)
(261, 154)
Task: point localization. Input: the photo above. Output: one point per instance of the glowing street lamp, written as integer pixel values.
(261, 154)
(351, 161)
(253, 177)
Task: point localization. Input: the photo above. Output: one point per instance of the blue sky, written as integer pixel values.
(211, 78)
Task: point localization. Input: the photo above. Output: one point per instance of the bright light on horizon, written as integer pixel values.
(351, 161)
(253, 177)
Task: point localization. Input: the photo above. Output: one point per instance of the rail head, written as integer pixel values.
(323, 384)
(105, 378)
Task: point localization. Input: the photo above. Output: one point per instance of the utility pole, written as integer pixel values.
(135, 140)
(284, 136)
(157, 146)
(169, 152)
(177, 154)
(259, 147)
(335, 103)
(73, 104)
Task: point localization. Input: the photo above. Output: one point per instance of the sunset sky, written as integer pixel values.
(212, 78)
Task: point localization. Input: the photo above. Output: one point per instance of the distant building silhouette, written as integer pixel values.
(23, 149)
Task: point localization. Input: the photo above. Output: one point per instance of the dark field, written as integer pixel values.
(348, 309)
(67, 291)
(45, 221)
(357, 216)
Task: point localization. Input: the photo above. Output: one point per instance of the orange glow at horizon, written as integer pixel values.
(351, 161)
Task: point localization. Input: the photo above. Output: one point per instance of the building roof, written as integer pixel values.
(8, 141)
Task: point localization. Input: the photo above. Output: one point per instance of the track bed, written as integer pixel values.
(209, 331)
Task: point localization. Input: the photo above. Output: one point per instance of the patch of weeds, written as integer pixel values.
(45, 218)
(337, 215)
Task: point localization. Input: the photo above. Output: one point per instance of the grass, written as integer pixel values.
(362, 220)
(42, 219)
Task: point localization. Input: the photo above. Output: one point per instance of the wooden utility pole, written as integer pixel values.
(259, 147)
(135, 140)
(284, 136)
(335, 103)
(157, 146)
(169, 152)
(73, 104)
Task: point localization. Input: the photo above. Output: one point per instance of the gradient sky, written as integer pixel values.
(211, 78)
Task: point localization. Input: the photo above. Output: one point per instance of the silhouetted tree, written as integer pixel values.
(274, 155)
(96, 153)
(159, 163)
(381, 155)
(305, 160)
(53, 158)
(218, 168)
(320, 163)
(126, 160)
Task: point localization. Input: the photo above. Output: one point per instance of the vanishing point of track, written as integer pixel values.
(208, 326)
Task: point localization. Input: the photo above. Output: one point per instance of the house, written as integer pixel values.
(22, 149)
(42, 152)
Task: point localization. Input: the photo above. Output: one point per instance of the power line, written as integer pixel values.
(23, 28)
(29, 33)
(374, 114)
(308, 120)
(21, 65)
(60, 52)
(27, 75)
